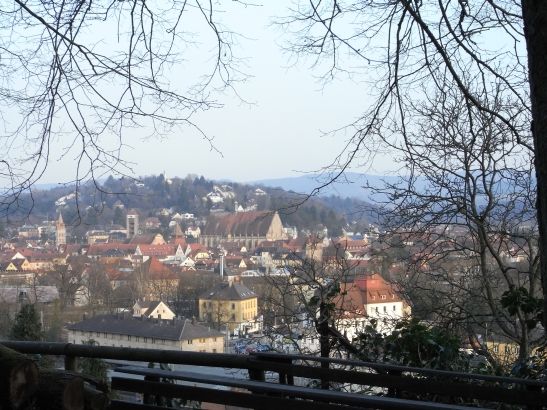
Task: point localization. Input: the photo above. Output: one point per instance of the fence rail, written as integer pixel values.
(399, 383)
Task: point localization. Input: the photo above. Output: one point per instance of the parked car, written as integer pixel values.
(263, 348)
(250, 349)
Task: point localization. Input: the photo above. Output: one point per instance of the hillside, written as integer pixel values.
(108, 203)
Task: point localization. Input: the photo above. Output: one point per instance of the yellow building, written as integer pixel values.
(505, 352)
(230, 304)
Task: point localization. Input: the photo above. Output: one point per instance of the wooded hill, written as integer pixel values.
(95, 205)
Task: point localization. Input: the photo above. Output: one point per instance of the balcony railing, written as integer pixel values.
(321, 383)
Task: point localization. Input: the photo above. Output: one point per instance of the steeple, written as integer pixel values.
(60, 232)
(178, 236)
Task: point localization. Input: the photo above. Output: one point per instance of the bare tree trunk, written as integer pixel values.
(534, 13)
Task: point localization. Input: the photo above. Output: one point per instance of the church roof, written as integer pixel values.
(255, 223)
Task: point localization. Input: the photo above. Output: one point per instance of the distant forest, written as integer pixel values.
(94, 204)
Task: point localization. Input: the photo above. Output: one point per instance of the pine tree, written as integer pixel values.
(92, 366)
(27, 326)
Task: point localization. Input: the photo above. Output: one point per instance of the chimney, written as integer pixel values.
(159, 318)
(194, 321)
(174, 321)
(143, 318)
(94, 313)
(85, 316)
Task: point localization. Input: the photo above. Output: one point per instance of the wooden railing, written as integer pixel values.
(388, 387)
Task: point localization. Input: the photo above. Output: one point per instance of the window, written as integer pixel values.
(153, 340)
(233, 306)
(214, 350)
(373, 298)
(129, 337)
(202, 340)
(98, 334)
(190, 341)
(516, 350)
(496, 349)
(507, 350)
(210, 304)
(214, 339)
(233, 317)
(376, 309)
(203, 351)
(394, 308)
(205, 304)
(145, 340)
(137, 338)
(162, 341)
(383, 296)
(385, 309)
(105, 335)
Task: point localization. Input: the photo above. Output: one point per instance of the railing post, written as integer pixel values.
(71, 363)
(391, 391)
(147, 398)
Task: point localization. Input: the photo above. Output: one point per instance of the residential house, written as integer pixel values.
(152, 223)
(369, 297)
(193, 231)
(154, 309)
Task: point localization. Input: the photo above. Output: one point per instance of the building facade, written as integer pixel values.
(124, 330)
(250, 228)
(132, 223)
(231, 304)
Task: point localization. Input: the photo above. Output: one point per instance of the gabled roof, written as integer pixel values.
(182, 329)
(147, 307)
(255, 223)
(228, 291)
(145, 238)
(96, 250)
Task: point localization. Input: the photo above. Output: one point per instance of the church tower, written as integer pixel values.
(132, 223)
(60, 233)
(178, 236)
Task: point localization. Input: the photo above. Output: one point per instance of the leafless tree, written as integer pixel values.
(67, 284)
(466, 212)
(95, 286)
(406, 51)
(78, 76)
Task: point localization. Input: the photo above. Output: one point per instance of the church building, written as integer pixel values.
(250, 228)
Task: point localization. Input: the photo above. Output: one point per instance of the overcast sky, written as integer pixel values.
(278, 136)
